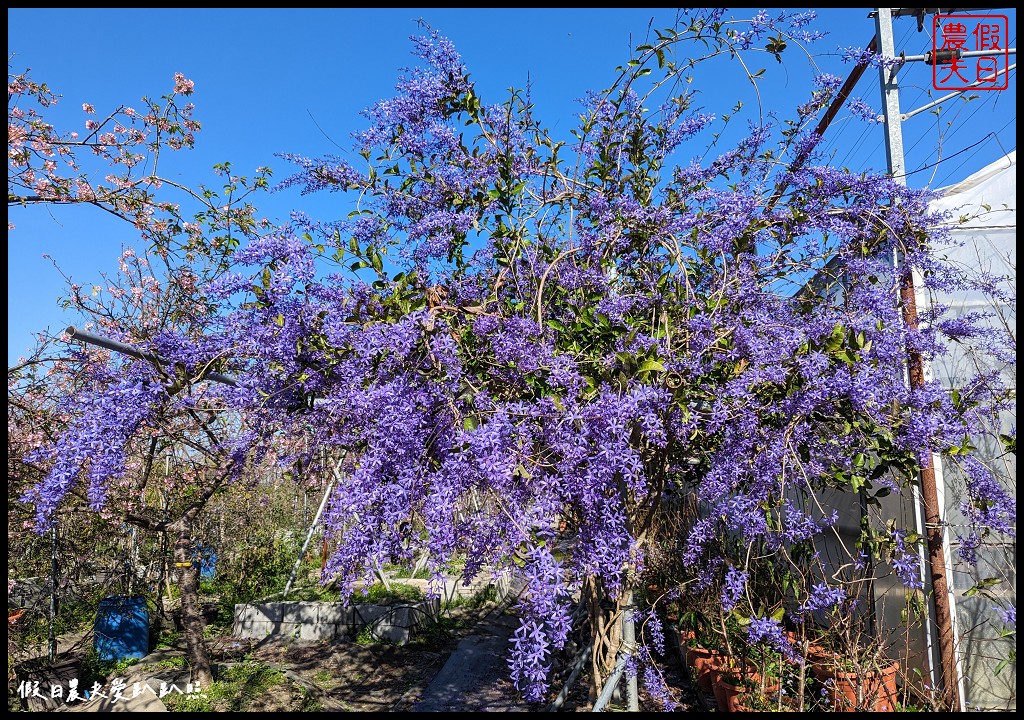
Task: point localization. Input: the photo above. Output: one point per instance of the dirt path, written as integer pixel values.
(475, 676)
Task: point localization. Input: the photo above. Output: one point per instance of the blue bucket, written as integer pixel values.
(122, 628)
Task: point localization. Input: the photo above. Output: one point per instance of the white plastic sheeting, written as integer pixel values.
(982, 218)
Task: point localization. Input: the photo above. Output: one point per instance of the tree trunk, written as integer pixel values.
(191, 613)
(606, 634)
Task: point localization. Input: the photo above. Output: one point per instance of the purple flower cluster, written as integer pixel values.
(860, 109)
(1008, 616)
(863, 56)
(822, 597)
(905, 561)
(770, 633)
(535, 639)
(94, 444)
(577, 341)
(733, 587)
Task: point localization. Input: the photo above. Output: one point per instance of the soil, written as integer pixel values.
(346, 675)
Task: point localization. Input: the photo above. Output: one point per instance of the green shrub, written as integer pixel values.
(377, 594)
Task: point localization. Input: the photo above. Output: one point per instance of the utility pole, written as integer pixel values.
(943, 601)
(888, 82)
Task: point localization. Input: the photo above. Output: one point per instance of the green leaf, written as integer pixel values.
(1009, 442)
(650, 366)
(981, 586)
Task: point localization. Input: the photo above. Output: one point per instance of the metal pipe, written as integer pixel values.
(312, 527)
(132, 351)
(629, 640)
(578, 664)
(929, 57)
(612, 681)
(944, 98)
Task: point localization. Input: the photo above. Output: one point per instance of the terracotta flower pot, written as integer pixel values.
(702, 662)
(815, 651)
(685, 637)
(733, 693)
(876, 690)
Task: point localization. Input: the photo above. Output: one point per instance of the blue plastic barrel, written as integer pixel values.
(207, 562)
(122, 628)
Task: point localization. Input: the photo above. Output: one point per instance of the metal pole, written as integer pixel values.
(611, 682)
(629, 640)
(581, 659)
(312, 527)
(833, 109)
(941, 596)
(132, 351)
(53, 595)
(944, 98)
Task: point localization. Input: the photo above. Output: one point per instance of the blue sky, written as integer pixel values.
(295, 80)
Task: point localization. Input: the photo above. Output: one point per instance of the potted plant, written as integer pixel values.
(858, 681)
(701, 647)
(737, 679)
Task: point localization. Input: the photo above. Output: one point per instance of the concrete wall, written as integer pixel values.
(327, 621)
(313, 621)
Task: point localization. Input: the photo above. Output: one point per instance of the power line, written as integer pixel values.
(950, 157)
(864, 134)
(993, 135)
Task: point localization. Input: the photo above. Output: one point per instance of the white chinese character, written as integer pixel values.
(117, 686)
(164, 690)
(137, 688)
(28, 688)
